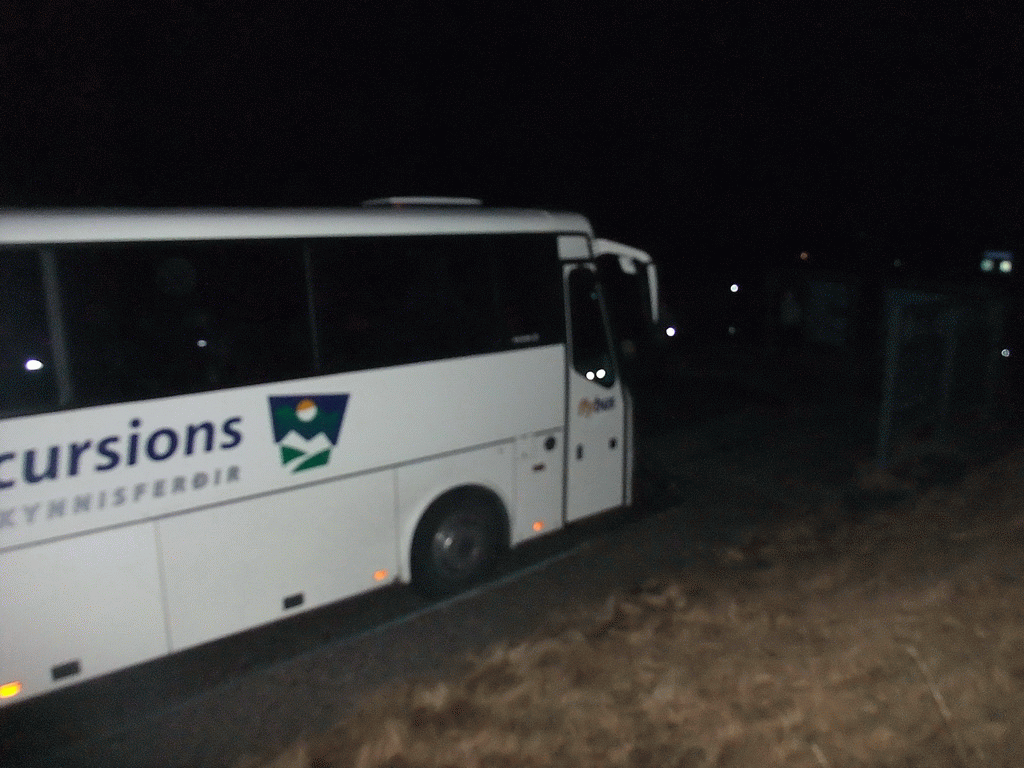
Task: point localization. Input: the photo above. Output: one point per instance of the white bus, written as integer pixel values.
(210, 420)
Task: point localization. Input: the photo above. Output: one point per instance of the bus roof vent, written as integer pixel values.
(413, 202)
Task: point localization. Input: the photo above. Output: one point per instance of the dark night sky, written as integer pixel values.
(645, 116)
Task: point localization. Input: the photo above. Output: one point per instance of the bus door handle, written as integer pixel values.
(579, 452)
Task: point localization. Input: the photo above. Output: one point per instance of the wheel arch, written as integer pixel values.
(492, 496)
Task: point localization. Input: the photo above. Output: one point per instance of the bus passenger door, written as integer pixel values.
(596, 417)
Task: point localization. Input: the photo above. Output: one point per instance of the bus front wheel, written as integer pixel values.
(458, 542)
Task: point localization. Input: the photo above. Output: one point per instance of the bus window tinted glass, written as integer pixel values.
(158, 319)
(388, 301)
(529, 286)
(27, 380)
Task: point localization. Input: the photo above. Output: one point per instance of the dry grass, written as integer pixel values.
(897, 641)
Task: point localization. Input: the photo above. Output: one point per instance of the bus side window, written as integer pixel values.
(159, 319)
(396, 300)
(255, 298)
(27, 380)
(528, 280)
(353, 298)
(449, 305)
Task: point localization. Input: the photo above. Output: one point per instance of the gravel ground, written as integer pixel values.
(728, 443)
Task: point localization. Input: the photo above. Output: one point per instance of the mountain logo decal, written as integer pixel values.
(306, 428)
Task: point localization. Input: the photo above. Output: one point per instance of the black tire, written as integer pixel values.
(458, 542)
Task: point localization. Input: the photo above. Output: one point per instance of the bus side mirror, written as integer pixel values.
(631, 261)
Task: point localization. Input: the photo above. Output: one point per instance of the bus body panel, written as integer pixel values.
(540, 478)
(144, 226)
(242, 564)
(85, 605)
(242, 539)
(114, 464)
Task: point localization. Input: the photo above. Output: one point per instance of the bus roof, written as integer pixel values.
(20, 227)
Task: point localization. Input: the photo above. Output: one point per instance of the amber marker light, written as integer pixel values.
(9, 690)
(538, 526)
(380, 575)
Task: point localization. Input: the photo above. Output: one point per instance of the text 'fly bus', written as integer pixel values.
(213, 419)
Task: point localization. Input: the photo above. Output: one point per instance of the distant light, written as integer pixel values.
(732, 330)
(670, 331)
(33, 365)
(1005, 353)
(897, 263)
(201, 343)
(538, 525)
(734, 287)
(990, 259)
(600, 373)
(804, 256)
(9, 690)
